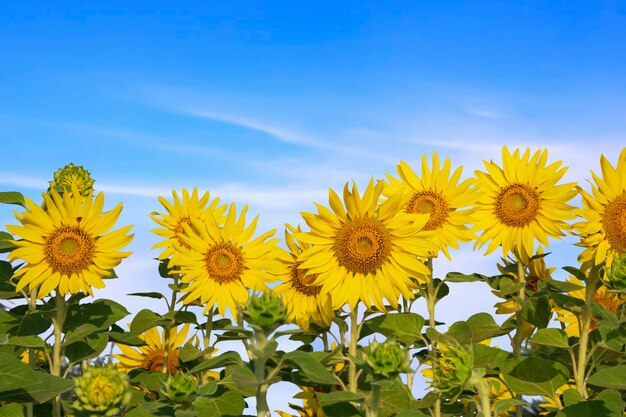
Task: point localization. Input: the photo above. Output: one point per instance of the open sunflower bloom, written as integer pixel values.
(603, 231)
(364, 250)
(66, 247)
(224, 262)
(150, 356)
(304, 301)
(179, 213)
(438, 193)
(521, 202)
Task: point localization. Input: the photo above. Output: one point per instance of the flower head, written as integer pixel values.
(66, 247)
(386, 360)
(265, 311)
(603, 229)
(438, 193)
(616, 275)
(180, 387)
(521, 202)
(453, 370)
(72, 176)
(364, 250)
(101, 391)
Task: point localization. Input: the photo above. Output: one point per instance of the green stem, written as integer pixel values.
(519, 320)
(375, 404)
(585, 328)
(483, 394)
(208, 328)
(167, 330)
(57, 356)
(354, 338)
(431, 302)
(262, 409)
(32, 358)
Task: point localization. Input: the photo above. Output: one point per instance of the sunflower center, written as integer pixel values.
(153, 361)
(517, 205)
(362, 245)
(301, 281)
(614, 223)
(430, 202)
(224, 262)
(69, 249)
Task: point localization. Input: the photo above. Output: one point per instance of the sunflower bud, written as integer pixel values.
(70, 175)
(265, 311)
(453, 370)
(615, 278)
(101, 391)
(386, 359)
(180, 388)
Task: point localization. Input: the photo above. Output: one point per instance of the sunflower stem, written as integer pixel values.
(354, 338)
(32, 359)
(57, 356)
(483, 394)
(431, 302)
(519, 321)
(208, 328)
(167, 331)
(262, 410)
(374, 407)
(580, 376)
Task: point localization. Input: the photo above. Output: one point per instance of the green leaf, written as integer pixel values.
(537, 311)
(244, 377)
(148, 295)
(126, 338)
(536, 376)
(182, 317)
(501, 406)
(12, 197)
(551, 337)
(338, 403)
(403, 327)
(510, 286)
(225, 359)
(491, 357)
(101, 313)
(227, 380)
(152, 381)
(12, 410)
(310, 367)
(477, 328)
(79, 333)
(395, 396)
(613, 335)
(88, 348)
(562, 286)
(26, 341)
(611, 377)
(460, 277)
(6, 244)
(226, 403)
(576, 273)
(18, 382)
(411, 413)
(145, 320)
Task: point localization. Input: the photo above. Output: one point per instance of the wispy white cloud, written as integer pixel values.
(483, 112)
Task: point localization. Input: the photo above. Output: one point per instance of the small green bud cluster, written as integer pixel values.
(70, 175)
(385, 360)
(180, 388)
(615, 276)
(101, 391)
(265, 311)
(453, 369)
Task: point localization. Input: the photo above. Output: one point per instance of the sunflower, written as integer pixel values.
(521, 202)
(223, 262)
(66, 247)
(438, 194)
(603, 231)
(609, 300)
(150, 356)
(311, 406)
(304, 302)
(180, 213)
(368, 250)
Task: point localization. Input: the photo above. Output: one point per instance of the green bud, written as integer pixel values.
(453, 370)
(386, 359)
(101, 391)
(180, 388)
(615, 276)
(70, 175)
(265, 311)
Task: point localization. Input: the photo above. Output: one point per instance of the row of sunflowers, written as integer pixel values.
(343, 287)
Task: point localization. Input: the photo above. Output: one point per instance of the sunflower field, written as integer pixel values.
(343, 287)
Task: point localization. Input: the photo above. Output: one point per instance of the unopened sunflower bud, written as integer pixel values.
(453, 370)
(72, 175)
(386, 359)
(616, 275)
(101, 391)
(265, 311)
(180, 388)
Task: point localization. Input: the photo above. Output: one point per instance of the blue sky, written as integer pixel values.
(269, 104)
